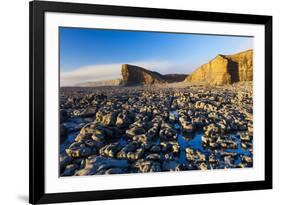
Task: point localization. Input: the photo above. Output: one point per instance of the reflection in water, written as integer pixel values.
(184, 140)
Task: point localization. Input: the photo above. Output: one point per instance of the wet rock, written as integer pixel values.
(169, 156)
(88, 112)
(186, 125)
(95, 164)
(122, 120)
(172, 117)
(232, 154)
(170, 146)
(151, 128)
(135, 131)
(219, 141)
(64, 161)
(116, 171)
(246, 145)
(93, 144)
(250, 129)
(194, 155)
(167, 132)
(203, 166)
(229, 161)
(153, 132)
(78, 151)
(245, 137)
(81, 137)
(98, 135)
(70, 170)
(141, 138)
(109, 119)
(211, 130)
(247, 159)
(155, 149)
(86, 132)
(228, 144)
(171, 165)
(110, 150)
(154, 157)
(131, 151)
(109, 132)
(145, 166)
(213, 159)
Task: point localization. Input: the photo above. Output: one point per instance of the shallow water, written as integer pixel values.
(184, 140)
(70, 139)
(195, 143)
(72, 133)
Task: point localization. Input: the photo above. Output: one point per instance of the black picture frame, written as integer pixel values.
(37, 193)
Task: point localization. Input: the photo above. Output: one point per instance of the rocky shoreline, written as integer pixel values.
(116, 130)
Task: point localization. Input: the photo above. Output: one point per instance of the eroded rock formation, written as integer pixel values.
(244, 61)
(225, 69)
(133, 75)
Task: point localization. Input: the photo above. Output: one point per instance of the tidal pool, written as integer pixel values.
(191, 140)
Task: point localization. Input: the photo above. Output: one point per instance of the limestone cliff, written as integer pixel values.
(134, 75)
(244, 62)
(225, 69)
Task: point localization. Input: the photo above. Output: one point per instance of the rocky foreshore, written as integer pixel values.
(115, 130)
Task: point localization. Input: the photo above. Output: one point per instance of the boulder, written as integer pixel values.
(109, 119)
(110, 150)
(78, 152)
(147, 166)
(135, 131)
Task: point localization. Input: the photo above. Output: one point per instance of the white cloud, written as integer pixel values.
(113, 71)
(91, 73)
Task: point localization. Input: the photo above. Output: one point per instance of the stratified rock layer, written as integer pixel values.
(225, 69)
(133, 75)
(244, 61)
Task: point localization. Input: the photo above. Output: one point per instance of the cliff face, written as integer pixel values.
(133, 75)
(225, 69)
(244, 62)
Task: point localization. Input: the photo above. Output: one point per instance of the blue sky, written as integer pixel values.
(88, 49)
